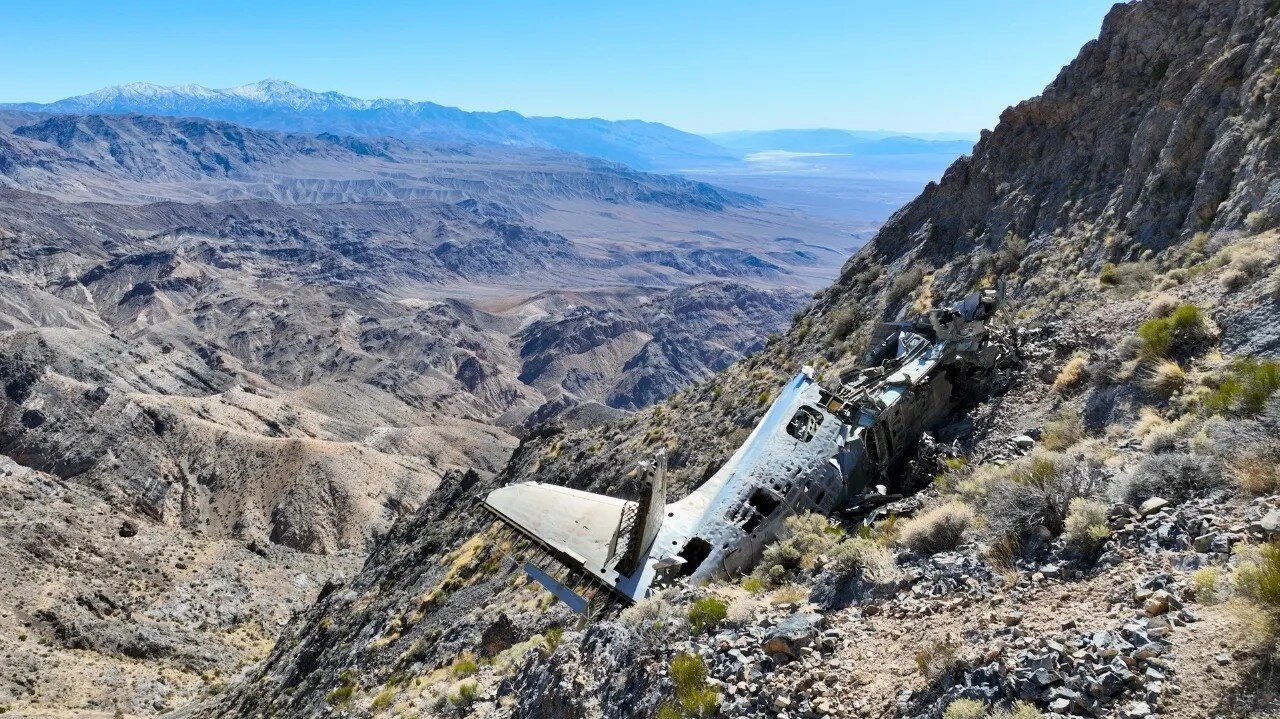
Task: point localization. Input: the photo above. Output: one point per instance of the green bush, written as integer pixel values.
(1208, 585)
(707, 613)
(463, 666)
(383, 700)
(1108, 275)
(348, 682)
(1246, 388)
(1162, 335)
(552, 638)
(694, 698)
(805, 537)
(465, 694)
(1259, 581)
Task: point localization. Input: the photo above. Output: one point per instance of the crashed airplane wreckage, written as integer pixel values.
(815, 450)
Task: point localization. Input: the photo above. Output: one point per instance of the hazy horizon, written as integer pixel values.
(910, 67)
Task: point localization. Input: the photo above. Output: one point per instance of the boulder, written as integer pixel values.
(795, 633)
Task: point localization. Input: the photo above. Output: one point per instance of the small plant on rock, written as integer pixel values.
(706, 614)
(1245, 389)
(693, 697)
(1161, 336)
(464, 665)
(936, 660)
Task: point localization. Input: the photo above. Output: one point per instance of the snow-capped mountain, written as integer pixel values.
(280, 105)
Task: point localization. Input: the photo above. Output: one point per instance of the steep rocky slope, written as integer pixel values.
(1146, 167)
(260, 350)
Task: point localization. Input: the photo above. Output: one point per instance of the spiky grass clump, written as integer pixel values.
(1165, 378)
(706, 614)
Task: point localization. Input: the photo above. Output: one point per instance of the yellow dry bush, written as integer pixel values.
(1072, 374)
(940, 529)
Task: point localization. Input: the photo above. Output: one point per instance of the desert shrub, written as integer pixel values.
(1073, 373)
(652, 617)
(707, 613)
(965, 709)
(1063, 430)
(844, 322)
(1257, 578)
(1107, 277)
(1176, 476)
(1086, 525)
(693, 697)
(1129, 276)
(1162, 336)
(940, 529)
(937, 659)
(1245, 389)
(1233, 279)
(1036, 491)
(1164, 378)
(805, 537)
(383, 700)
(1257, 471)
(865, 555)
(753, 584)
(1162, 305)
(464, 694)
(1161, 438)
(464, 665)
(1257, 221)
(904, 284)
(552, 639)
(348, 683)
(789, 594)
(1208, 584)
(1010, 255)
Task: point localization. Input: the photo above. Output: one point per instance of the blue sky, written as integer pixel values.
(701, 65)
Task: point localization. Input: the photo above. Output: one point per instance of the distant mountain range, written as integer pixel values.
(845, 142)
(283, 106)
(279, 105)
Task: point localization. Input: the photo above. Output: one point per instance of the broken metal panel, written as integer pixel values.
(813, 450)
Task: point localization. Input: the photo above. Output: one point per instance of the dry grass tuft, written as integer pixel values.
(1258, 473)
(1164, 378)
(1086, 526)
(940, 529)
(1072, 374)
(1065, 429)
(1233, 279)
(1162, 305)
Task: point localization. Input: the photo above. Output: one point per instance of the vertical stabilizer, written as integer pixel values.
(649, 514)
